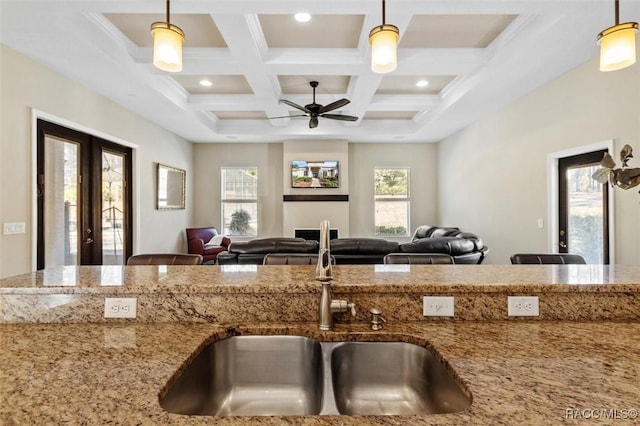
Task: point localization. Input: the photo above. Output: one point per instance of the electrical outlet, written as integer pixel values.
(523, 306)
(437, 306)
(120, 307)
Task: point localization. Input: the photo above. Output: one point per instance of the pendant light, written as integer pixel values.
(167, 44)
(618, 44)
(384, 46)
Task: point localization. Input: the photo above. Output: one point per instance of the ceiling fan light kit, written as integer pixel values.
(618, 44)
(384, 45)
(167, 44)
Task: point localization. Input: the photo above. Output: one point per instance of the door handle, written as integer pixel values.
(88, 241)
(562, 244)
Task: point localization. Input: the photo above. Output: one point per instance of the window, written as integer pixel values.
(392, 201)
(240, 201)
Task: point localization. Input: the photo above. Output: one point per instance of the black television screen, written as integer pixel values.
(315, 174)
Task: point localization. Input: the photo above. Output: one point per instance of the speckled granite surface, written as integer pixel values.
(517, 373)
(97, 371)
(290, 293)
(348, 278)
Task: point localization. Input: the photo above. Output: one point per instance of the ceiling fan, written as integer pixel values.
(314, 110)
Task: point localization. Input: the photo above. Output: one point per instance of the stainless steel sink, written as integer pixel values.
(385, 378)
(251, 376)
(295, 375)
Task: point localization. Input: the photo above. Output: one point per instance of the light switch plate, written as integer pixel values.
(523, 306)
(10, 228)
(438, 306)
(120, 307)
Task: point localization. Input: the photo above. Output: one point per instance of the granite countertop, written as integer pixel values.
(251, 294)
(63, 362)
(347, 278)
(517, 373)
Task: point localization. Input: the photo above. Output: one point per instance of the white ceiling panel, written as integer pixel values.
(477, 56)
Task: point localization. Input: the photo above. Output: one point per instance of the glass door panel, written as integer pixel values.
(585, 214)
(113, 218)
(583, 208)
(61, 201)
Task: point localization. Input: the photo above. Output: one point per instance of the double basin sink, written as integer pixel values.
(295, 375)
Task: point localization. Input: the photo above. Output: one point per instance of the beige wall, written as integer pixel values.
(493, 174)
(303, 214)
(357, 162)
(422, 162)
(25, 86)
(209, 158)
(490, 179)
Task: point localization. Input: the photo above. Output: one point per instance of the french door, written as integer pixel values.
(84, 199)
(583, 208)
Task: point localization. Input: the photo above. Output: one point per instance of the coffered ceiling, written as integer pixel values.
(477, 57)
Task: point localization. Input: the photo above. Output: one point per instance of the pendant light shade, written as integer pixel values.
(167, 45)
(618, 44)
(384, 42)
(384, 46)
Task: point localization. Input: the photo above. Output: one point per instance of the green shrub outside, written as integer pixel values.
(585, 238)
(240, 222)
(305, 179)
(330, 182)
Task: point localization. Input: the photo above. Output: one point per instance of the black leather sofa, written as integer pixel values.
(464, 247)
(252, 252)
(361, 251)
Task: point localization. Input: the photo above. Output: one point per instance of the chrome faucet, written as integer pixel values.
(323, 268)
(324, 274)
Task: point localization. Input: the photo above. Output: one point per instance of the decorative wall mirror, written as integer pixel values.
(171, 188)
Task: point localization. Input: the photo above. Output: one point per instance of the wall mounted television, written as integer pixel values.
(315, 174)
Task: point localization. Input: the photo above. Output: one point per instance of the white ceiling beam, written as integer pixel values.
(325, 127)
(248, 47)
(249, 102)
(75, 39)
(366, 84)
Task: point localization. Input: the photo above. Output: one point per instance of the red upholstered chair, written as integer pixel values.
(200, 242)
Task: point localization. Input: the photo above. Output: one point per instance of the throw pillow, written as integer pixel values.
(216, 240)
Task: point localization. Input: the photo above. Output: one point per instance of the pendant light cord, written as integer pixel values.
(384, 13)
(169, 13)
(617, 12)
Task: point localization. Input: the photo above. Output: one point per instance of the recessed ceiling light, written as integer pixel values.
(302, 17)
(206, 83)
(422, 83)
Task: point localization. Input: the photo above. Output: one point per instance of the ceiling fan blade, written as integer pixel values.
(295, 105)
(313, 123)
(334, 105)
(340, 117)
(288, 116)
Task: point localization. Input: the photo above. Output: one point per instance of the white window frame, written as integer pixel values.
(224, 201)
(406, 199)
